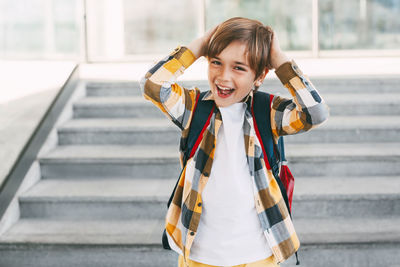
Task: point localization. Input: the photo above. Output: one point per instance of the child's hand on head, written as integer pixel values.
(197, 45)
(277, 56)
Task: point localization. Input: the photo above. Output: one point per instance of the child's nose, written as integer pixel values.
(225, 74)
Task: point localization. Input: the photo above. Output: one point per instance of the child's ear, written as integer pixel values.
(261, 78)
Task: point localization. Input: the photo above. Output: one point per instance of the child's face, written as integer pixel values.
(230, 76)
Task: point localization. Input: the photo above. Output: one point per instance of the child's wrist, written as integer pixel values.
(279, 59)
(196, 46)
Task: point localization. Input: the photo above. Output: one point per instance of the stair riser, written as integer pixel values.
(315, 208)
(168, 137)
(364, 207)
(146, 137)
(95, 170)
(131, 89)
(369, 255)
(97, 111)
(332, 166)
(365, 109)
(300, 166)
(326, 135)
(149, 111)
(97, 210)
(86, 256)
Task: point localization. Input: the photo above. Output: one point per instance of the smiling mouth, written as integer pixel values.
(224, 91)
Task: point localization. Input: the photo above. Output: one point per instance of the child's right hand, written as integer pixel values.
(197, 45)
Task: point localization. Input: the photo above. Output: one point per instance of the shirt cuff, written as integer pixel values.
(287, 71)
(184, 56)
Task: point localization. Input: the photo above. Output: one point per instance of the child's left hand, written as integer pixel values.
(277, 56)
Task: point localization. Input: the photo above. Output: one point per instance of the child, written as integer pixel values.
(227, 209)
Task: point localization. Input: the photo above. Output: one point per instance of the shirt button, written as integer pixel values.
(191, 233)
(199, 204)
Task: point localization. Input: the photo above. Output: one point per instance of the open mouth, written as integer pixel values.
(224, 91)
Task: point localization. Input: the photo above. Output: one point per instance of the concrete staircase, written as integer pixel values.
(102, 196)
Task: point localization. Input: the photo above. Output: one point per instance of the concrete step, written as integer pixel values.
(336, 159)
(115, 107)
(111, 161)
(338, 129)
(359, 242)
(137, 243)
(341, 159)
(346, 197)
(106, 231)
(112, 88)
(81, 199)
(45, 243)
(119, 132)
(352, 129)
(361, 104)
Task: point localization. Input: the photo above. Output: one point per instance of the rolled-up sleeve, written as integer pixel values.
(159, 86)
(305, 111)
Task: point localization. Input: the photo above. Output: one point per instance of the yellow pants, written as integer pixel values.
(268, 262)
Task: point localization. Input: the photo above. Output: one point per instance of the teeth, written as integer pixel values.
(224, 88)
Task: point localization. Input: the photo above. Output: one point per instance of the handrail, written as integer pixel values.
(29, 153)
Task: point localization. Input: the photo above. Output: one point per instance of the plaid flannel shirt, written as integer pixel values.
(305, 111)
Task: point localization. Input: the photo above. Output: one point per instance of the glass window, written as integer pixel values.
(67, 19)
(359, 24)
(291, 19)
(153, 26)
(39, 28)
(22, 26)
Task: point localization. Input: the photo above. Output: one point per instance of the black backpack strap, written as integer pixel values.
(261, 110)
(201, 114)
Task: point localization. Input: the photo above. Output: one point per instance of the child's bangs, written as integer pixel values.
(217, 45)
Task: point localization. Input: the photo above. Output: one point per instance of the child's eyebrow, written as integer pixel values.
(236, 62)
(240, 63)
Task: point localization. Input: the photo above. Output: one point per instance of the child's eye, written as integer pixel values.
(215, 62)
(239, 68)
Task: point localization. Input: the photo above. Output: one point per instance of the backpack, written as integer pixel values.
(274, 154)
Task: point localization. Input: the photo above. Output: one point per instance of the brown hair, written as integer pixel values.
(252, 32)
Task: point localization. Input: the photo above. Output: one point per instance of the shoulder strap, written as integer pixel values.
(201, 119)
(202, 114)
(262, 126)
(261, 110)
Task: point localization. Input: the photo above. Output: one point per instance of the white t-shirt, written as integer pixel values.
(229, 232)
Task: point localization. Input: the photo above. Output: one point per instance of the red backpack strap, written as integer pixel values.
(271, 97)
(200, 137)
